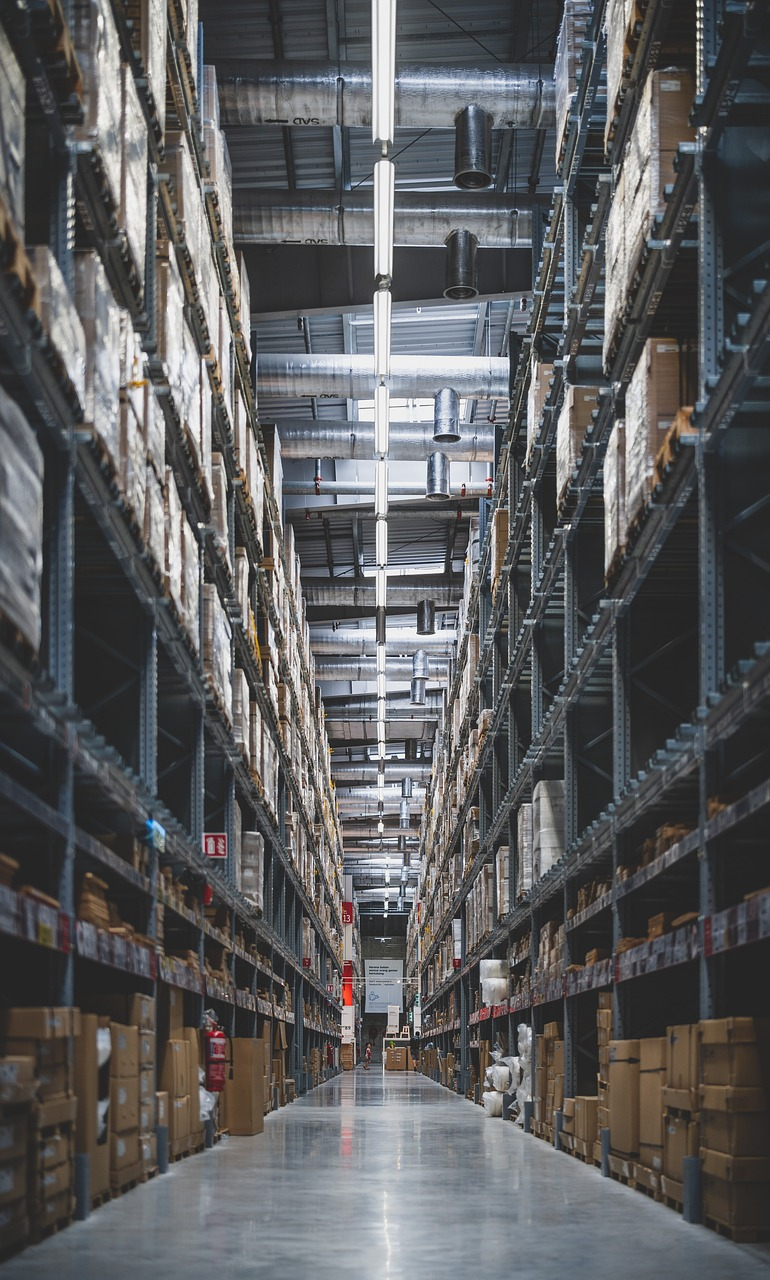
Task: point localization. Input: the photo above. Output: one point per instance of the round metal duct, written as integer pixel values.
(461, 278)
(437, 485)
(406, 788)
(420, 665)
(417, 697)
(446, 416)
(473, 148)
(410, 749)
(426, 617)
(403, 818)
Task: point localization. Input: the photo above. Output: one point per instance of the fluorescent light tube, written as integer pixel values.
(384, 199)
(381, 418)
(382, 310)
(380, 659)
(383, 69)
(381, 487)
(381, 543)
(381, 750)
(381, 685)
(381, 590)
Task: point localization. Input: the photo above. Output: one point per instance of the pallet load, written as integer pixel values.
(566, 69)
(614, 499)
(547, 826)
(21, 524)
(540, 375)
(175, 1081)
(735, 1124)
(575, 419)
(662, 381)
(681, 1120)
(624, 1104)
(125, 1162)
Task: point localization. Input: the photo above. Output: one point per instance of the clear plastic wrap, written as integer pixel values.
(275, 464)
(569, 48)
(242, 584)
(133, 170)
(154, 517)
(191, 576)
(209, 96)
(493, 1102)
(547, 825)
(170, 315)
(523, 849)
(614, 495)
(154, 429)
(98, 51)
(172, 509)
(574, 420)
(255, 738)
(244, 302)
(616, 266)
(253, 868)
(12, 131)
(188, 393)
(132, 468)
(494, 990)
(186, 193)
(539, 386)
(153, 41)
(241, 696)
(60, 318)
(217, 657)
(502, 868)
(618, 16)
(219, 506)
(21, 521)
(221, 177)
(662, 122)
(101, 320)
(664, 379)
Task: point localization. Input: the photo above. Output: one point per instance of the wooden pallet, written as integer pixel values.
(622, 1170)
(39, 1232)
(739, 1235)
(648, 1182)
(101, 1198)
(179, 1149)
(669, 451)
(126, 1179)
(672, 1193)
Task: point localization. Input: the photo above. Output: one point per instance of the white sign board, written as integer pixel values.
(348, 1024)
(384, 980)
(393, 1018)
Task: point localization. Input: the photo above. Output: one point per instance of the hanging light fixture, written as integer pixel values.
(383, 70)
(384, 201)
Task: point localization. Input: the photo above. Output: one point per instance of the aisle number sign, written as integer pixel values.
(347, 913)
(215, 844)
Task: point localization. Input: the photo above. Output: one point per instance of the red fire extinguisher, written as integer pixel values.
(215, 1057)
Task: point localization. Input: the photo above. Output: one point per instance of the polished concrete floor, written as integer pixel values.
(385, 1176)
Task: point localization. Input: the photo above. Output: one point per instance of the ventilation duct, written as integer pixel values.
(361, 640)
(404, 817)
(417, 694)
(269, 216)
(407, 441)
(461, 278)
(473, 148)
(410, 750)
(426, 97)
(315, 488)
(401, 591)
(437, 483)
(352, 376)
(347, 775)
(446, 418)
(426, 617)
(406, 788)
(420, 665)
(366, 669)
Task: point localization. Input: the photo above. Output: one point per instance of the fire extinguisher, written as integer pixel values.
(215, 1054)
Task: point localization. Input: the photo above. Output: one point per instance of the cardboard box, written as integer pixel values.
(148, 1150)
(13, 1180)
(586, 1118)
(175, 1009)
(18, 1079)
(244, 1090)
(682, 1057)
(146, 1048)
(734, 1121)
(178, 1119)
(175, 1076)
(125, 1050)
(736, 1052)
(194, 1059)
(147, 1116)
(92, 1086)
(47, 1053)
(557, 1062)
(51, 1150)
(161, 1108)
(146, 1084)
(124, 1104)
(651, 1156)
(13, 1136)
(681, 1137)
(39, 1023)
(652, 1071)
(124, 1150)
(50, 1183)
(135, 1010)
(54, 1082)
(624, 1096)
(736, 1204)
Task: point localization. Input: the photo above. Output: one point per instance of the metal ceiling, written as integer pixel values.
(315, 298)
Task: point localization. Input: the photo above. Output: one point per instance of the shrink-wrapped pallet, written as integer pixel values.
(664, 379)
(170, 315)
(614, 496)
(186, 193)
(569, 49)
(225, 355)
(132, 214)
(189, 395)
(547, 825)
(253, 868)
(217, 660)
(618, 19)
(219, 507)
(662, 123)
(97, 46)
(502, 865)
(191, 581)
(154, 517)
(12, 131)
(101, 320)
(574, 420)
(241, 705)
(255, 738)
(209, 96)
(242, 585)
(275, 465)
(220, 177)
(244, 302)
(150, 40)
(154, 429)
(59, 316)
(173, 525)
(523, 850)
(21, 521)
(132, 463)
(539, 385)
(616, 275)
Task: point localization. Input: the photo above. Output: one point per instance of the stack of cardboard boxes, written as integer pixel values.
(549, 1079)
(36, 1121)
(175, 1082)
(125, 1163)
(244, 1099)
(624, 1105)
(735, 1123)
(681, 1120)
(652, 1076)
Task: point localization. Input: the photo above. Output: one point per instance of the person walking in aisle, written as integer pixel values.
(368, 1057)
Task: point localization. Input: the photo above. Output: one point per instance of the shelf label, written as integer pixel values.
(215, 844)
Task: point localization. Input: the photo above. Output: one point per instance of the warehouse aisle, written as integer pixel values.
(386, 1176)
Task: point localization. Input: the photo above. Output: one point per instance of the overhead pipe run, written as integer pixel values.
(364, 707)
(426, 96)
(317, 487)
(275, 216)
(361, 640)
(352, 376)
(346, 775)
(364, 669)
(401, 591)
(407, 441)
